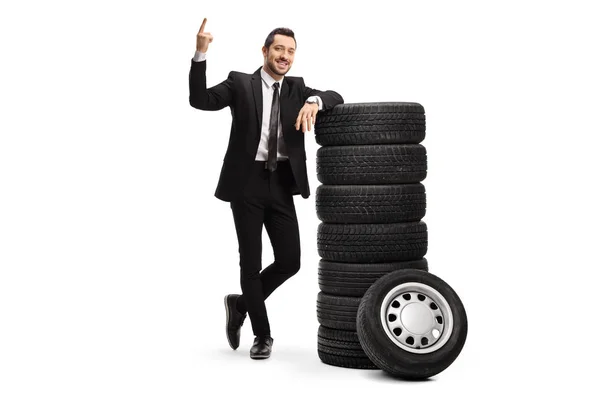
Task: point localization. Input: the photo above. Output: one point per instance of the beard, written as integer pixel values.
(273, 66)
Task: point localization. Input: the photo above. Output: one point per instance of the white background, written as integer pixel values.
(115, 255)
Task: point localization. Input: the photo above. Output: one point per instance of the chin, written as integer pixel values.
(278, 70)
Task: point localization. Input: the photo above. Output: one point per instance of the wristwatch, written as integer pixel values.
(309, 101)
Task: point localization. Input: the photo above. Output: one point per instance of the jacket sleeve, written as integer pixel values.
(211, 99)
(329, 98)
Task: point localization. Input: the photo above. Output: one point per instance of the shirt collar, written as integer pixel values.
(268, 79)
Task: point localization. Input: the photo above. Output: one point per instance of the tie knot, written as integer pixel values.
(276, 85)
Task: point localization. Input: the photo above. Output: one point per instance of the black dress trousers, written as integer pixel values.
(267, 200)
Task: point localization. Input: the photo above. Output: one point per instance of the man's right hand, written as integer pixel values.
(203, 39)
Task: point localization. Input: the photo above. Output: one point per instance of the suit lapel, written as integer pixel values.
(258, 98)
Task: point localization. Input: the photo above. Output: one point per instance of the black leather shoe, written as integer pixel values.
(235, 320)
(261, 348)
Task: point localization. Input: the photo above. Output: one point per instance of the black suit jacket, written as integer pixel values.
(243, 94)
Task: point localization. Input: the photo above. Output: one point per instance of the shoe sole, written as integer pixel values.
(259, 357)
(227, 319)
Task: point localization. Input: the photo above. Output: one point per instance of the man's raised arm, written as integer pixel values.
(216, 97)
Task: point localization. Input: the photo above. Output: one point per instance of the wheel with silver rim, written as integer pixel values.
(416, 317)
(411, 324)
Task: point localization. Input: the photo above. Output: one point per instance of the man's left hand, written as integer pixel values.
(307, 117)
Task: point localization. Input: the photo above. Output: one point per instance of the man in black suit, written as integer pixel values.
(264, 166)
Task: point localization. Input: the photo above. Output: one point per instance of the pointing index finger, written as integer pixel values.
(202, 27)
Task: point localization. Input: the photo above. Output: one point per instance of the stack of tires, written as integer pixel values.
(378, 307)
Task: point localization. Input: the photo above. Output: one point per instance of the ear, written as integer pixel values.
(264, 51)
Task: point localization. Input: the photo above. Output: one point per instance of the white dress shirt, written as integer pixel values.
(267, 94)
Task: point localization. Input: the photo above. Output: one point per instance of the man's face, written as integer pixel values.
(280, 55)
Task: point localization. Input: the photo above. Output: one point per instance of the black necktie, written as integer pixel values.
(273, 125)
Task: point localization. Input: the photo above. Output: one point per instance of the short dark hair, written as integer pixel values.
(279, 31)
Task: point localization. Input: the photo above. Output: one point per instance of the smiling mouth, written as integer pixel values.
(282, 63)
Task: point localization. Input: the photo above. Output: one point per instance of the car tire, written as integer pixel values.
(398, 318)
(371, 164)
(371, 123)
(370, 204)
(372, 243)
(352, 279)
